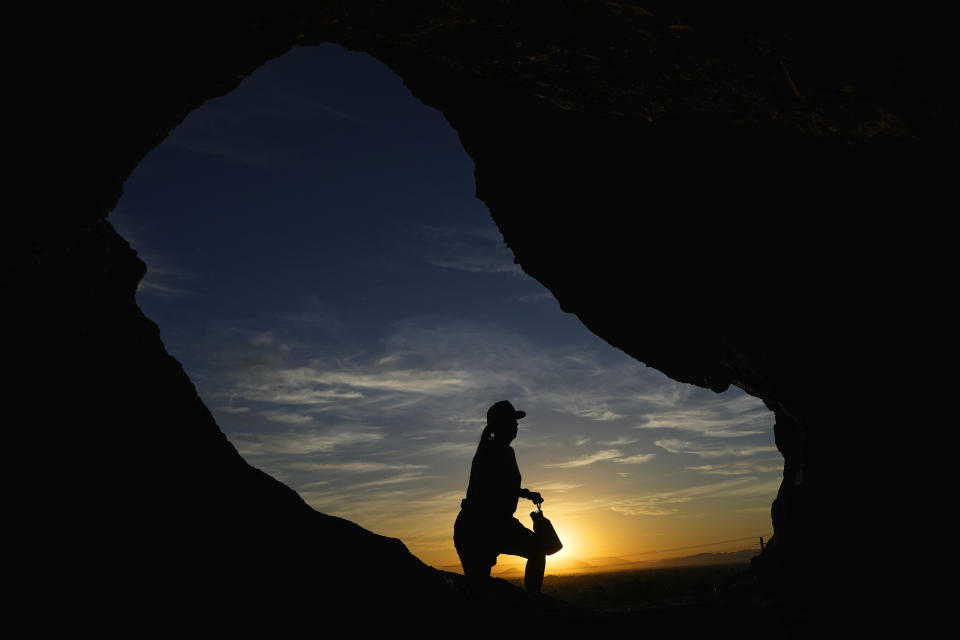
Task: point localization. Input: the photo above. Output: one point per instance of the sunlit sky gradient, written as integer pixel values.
(348, 311)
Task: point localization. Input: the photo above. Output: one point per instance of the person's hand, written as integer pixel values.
(535, 497)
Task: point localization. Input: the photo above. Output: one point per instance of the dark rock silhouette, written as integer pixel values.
(724, 193)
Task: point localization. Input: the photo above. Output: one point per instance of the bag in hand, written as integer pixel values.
(546, 534)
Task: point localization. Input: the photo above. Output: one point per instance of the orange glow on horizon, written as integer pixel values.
(597, 543)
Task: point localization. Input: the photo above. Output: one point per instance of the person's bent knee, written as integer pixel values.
(476, 570)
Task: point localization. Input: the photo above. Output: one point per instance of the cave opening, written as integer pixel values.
(347, 309)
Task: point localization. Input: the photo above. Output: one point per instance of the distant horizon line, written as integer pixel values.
(626, 565)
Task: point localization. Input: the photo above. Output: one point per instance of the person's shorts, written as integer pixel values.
(480, 540)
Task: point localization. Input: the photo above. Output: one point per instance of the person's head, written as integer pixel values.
(502, 422)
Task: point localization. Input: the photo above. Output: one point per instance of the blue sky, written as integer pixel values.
(348, 310)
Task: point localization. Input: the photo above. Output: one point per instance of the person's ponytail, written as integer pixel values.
(485, 435)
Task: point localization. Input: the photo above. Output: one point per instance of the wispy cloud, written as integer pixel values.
(299, 443)
(542, 296)
(599, 414)
(741, 467)
(712, 449)
(287, 417)
(262, 339)
(150, 286)
(556, 487)
(407, 381)
(665, 503)
(223, 131)
(229, 409)
(354, 466)
(476, 250)
(296, 106)
(755, 488)
(163, 278)
(475, 263)
(292, 394)
(224, 148)
(637, 459)
(388, 482)
(734, 417)
(460, 449)
(613, 455)
(323, 384)
(583, 461)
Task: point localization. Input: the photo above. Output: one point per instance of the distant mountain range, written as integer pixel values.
(741, 556)
(613, 564)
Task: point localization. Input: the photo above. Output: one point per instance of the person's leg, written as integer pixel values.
(520, 541)
(533, 574)
(472, 547)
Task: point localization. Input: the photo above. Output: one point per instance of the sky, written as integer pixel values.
(318, 263)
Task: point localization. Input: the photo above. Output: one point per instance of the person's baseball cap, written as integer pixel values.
(503, 410)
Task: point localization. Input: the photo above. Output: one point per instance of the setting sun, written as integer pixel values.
(567, 557)
(565, 560)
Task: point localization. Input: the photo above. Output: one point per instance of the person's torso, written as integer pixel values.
(494, 481)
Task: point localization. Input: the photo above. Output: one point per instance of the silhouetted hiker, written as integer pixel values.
(485, 526)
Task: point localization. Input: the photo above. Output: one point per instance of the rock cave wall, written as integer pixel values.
(701, 187)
